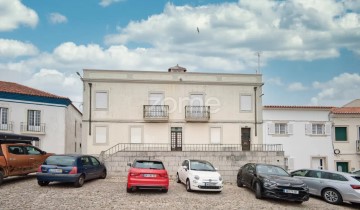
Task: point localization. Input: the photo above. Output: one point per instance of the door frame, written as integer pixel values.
(342, 161)
(176, 140)
(241, 138)
(325, 163)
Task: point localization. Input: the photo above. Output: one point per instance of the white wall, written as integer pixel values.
(73, 121)
(53, 140)
(299, 146)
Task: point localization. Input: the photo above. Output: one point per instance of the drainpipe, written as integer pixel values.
(90, 85)
(255, 109)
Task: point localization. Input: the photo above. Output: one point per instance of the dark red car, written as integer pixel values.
(147, 174)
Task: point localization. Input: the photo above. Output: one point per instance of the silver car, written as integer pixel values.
(334, 187)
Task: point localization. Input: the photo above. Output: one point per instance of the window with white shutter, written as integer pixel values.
(271, 128)
(101, 135)
(215, 135)
(135, 135)
(245, 103)
(101, 100)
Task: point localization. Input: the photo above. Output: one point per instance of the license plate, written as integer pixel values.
(149, 175)
(291, 191)
(210, 184)
(55, 170)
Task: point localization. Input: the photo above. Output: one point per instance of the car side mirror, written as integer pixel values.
(129, 164)
(185, 167)
(43, 152)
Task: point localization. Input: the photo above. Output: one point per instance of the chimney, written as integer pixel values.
(177, 69)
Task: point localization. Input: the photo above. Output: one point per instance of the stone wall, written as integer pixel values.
(228, 163)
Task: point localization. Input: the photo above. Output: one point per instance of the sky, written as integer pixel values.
(309, 49)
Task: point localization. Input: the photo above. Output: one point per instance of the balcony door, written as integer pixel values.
(176, 139)
(156, 102)
(4, 119)
(33, 121)
(196, 108)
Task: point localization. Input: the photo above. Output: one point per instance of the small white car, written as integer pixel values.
(199, 175)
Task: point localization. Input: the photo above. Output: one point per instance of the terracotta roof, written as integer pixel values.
(297, 107)
(11, 87)
(346, 110)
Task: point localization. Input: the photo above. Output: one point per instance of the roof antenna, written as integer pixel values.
(258, 53)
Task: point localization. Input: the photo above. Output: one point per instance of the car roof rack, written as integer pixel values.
(15, 138)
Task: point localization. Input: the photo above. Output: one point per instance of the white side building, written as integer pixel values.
(304, 132)
(54, 119)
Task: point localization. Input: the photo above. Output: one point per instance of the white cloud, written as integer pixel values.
(56, 18)
(297, 86)
(13, 14)
(275, 81)
(337, 91)
(105, 3)
(291, 30)
(14, 48)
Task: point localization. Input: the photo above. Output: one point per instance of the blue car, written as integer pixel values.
(70, 168)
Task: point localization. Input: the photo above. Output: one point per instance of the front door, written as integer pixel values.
(176, 139)
(245, 139)
(318, 163)
(342, 166)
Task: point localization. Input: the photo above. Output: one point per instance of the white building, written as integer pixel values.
(28, 111)
(346, 138)
(304, 132)
(174, 108)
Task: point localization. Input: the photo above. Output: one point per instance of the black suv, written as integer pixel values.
(272, 181)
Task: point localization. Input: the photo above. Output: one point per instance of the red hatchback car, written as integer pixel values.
(147, 174)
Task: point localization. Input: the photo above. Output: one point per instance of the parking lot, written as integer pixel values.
(24, 193)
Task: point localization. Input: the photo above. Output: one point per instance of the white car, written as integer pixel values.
(199, 175)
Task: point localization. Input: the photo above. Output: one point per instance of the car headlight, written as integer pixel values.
(269, 183)
(196, 177)
(220, 178)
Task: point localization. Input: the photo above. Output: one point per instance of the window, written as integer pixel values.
(340, 134)
(136, 135)
(314, 174)
(333, 176)
(75, 128)
(4, 118)
(100, 135)
(33, 119)
(32, 150)
(245, 103)
(16, 150)
(101, 100)
(85, 161)
(280, 128)
(318, 129)
(94, 161)
(215, 135)
(299, 173)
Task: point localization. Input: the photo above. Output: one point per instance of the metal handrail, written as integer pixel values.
(26, 127)
(156, 111)
(197, 112)
(160, 147)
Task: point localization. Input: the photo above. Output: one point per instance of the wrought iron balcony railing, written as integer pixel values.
(156, 112)
(197, 113)
(26, 127)
(6, 127)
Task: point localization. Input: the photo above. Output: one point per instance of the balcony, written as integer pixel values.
(6, 127)
(27, 128)
(358, 146)
(197, 113)
(156, 113)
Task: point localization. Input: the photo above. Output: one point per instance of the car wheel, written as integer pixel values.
(332, 196)
(258, 191)
(188, 187)
(177, 178)
(103, 175)
(43, 183)
(1, 177)
(239, 182)
(164, 190)
(80, 181)
(129, 190)
(299, 202)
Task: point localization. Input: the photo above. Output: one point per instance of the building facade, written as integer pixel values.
(28, 111)
(304, 132)
(175, 108)
(346, 138)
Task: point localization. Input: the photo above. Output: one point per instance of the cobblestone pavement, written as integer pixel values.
(24, 193)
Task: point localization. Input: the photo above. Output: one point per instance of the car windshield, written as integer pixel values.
(201, 166)
(60, 160)
(149, 165)
(271, 170)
